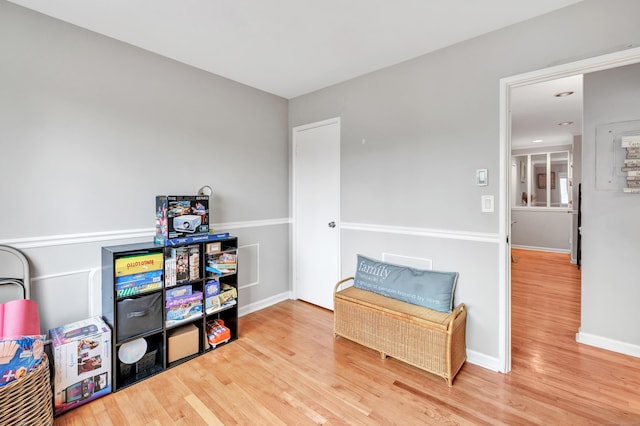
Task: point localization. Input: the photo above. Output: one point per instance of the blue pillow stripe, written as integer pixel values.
(431, 289)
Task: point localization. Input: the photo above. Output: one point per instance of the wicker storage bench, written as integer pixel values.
(431, 340)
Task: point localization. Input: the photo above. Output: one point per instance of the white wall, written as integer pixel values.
(428, 124)
(610, 232)
(93, 129)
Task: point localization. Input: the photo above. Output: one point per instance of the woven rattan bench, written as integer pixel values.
(431, 340)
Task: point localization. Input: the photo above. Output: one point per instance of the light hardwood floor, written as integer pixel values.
(287, 369)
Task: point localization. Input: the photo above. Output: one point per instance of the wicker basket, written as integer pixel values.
(430, 340)
(27, 401)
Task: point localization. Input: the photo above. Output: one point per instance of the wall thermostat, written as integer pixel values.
(482, 177)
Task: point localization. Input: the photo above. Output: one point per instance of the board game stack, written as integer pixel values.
(138, 274)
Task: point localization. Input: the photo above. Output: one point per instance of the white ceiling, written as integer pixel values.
(293, 47)
(536, 113)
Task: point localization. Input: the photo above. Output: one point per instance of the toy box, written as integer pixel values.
(82, 363)
(180, 216)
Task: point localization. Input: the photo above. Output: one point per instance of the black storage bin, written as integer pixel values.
(139, 315)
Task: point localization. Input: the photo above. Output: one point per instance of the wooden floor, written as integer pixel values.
(287, 369)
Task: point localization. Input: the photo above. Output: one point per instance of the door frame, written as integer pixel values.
(597, 63)
(294, 201)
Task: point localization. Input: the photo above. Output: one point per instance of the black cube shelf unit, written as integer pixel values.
(168, 304)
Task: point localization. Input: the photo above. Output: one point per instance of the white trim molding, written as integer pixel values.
(423, 232)
(264, 303)
(257, 265)
(70, 239)
(127, 234)
(608, 344)
(482, 360)
(251, 224)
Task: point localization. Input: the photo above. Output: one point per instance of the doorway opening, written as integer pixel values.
(612, 60)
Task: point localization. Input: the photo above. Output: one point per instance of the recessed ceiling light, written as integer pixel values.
(563, 94)
(537, 141)
(565, 123)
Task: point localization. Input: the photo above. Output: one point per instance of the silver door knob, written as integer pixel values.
(332, 224)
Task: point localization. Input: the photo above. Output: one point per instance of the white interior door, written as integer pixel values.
(316, 211)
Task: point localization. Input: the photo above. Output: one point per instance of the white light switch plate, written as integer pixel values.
(487, 203)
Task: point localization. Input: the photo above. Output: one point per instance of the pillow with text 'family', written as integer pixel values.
(431, 289)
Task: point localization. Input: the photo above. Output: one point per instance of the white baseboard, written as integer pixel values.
(264, 303)
(483, 360)
(608, 344)
(547, 249)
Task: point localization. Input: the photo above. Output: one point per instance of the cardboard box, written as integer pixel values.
(181, 216)
(213, 247)
(82, 363)
(182, 342)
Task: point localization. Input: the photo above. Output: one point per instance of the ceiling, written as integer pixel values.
(536, 113)
(293, 47)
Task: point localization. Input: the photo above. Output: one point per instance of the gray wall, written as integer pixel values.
(429, 123)
(541, 230)
(92, 129)
(610, 231)
(88, 121)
